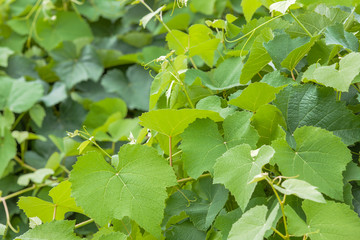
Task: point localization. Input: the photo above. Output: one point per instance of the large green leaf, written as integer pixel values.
(136, 188)
(253, 224)
(312, 21)
(133, 89)
(204, 133)
(47, 211)
(337, 35)
(67, 26)
(53, 230)
(308, 105)
(330, 221)
(185, 231)
(17, 95)
(254, 96)
(172, 122)
(281, 46)
(111, 9)
(340, 80)
(237, 167)
(319, 159)
(249, 8)
(73, 68)
(226, 75)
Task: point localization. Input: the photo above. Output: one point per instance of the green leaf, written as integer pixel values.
(253, 224)
(102, 110)
(202, 43)
(37, 114)
(319, 159)
(133, 89)
(331, 221)
(237, 167)
(121, 129)
(268, 121)
(254, 96)
(329, 76)
(215, 103)
(314, 22)
(177, 41)
(308, 105)
(110, 9)
(47, 211)
(301, 189)
(68, 26)
(296, 225)
(53, 230)
(108, 234)
(135, 188)
(7, 150)
(249, 8)
(225, 222)
(5, 52)
(185, 231)
(58, 94)
(337, 35)
(258, 57)
(17, 95)
(211, 145)
(172, 122)
(204, 6)
(226, 75)
(282, 45)
(73, 68)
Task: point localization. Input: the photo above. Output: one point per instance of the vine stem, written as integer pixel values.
(281, 202)
(170, 151)
(8, 222)
(22, 191)
(23, 164)
(190, 178)
(84, 223)
(301, 25)
(168, 29)
(252, 31)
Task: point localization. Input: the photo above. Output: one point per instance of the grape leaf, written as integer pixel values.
(108, 234)
(136, 188)
(312, 21)
(172, 122)
(211, 145)
(7, 149)
(308, 105)
(331, 77)
(254, 96)
(53, 230)
(47, 211)
(185, 231)
(237, 167)
(249, 8)
(281, 6)
(337, 35)
(19, 96)
(215, 103)
(319, 159)
(253, 224)
(331, 221)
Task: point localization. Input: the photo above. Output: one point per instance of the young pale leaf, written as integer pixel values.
(340, 80)
(236, 168)
(53, 230)
(2, 229)
(281, 6)
(254, 96)
(301, 189)
(319, 159)
(331, 221)
(37, 177)
(253, 224)
(210, 144)
(172, 122)
(136, 188)
(308, 105)
(145, 19)
(46, 211)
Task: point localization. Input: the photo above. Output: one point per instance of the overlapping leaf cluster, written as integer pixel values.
(251, 130)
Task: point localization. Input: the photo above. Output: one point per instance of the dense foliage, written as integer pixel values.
(199, 119)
